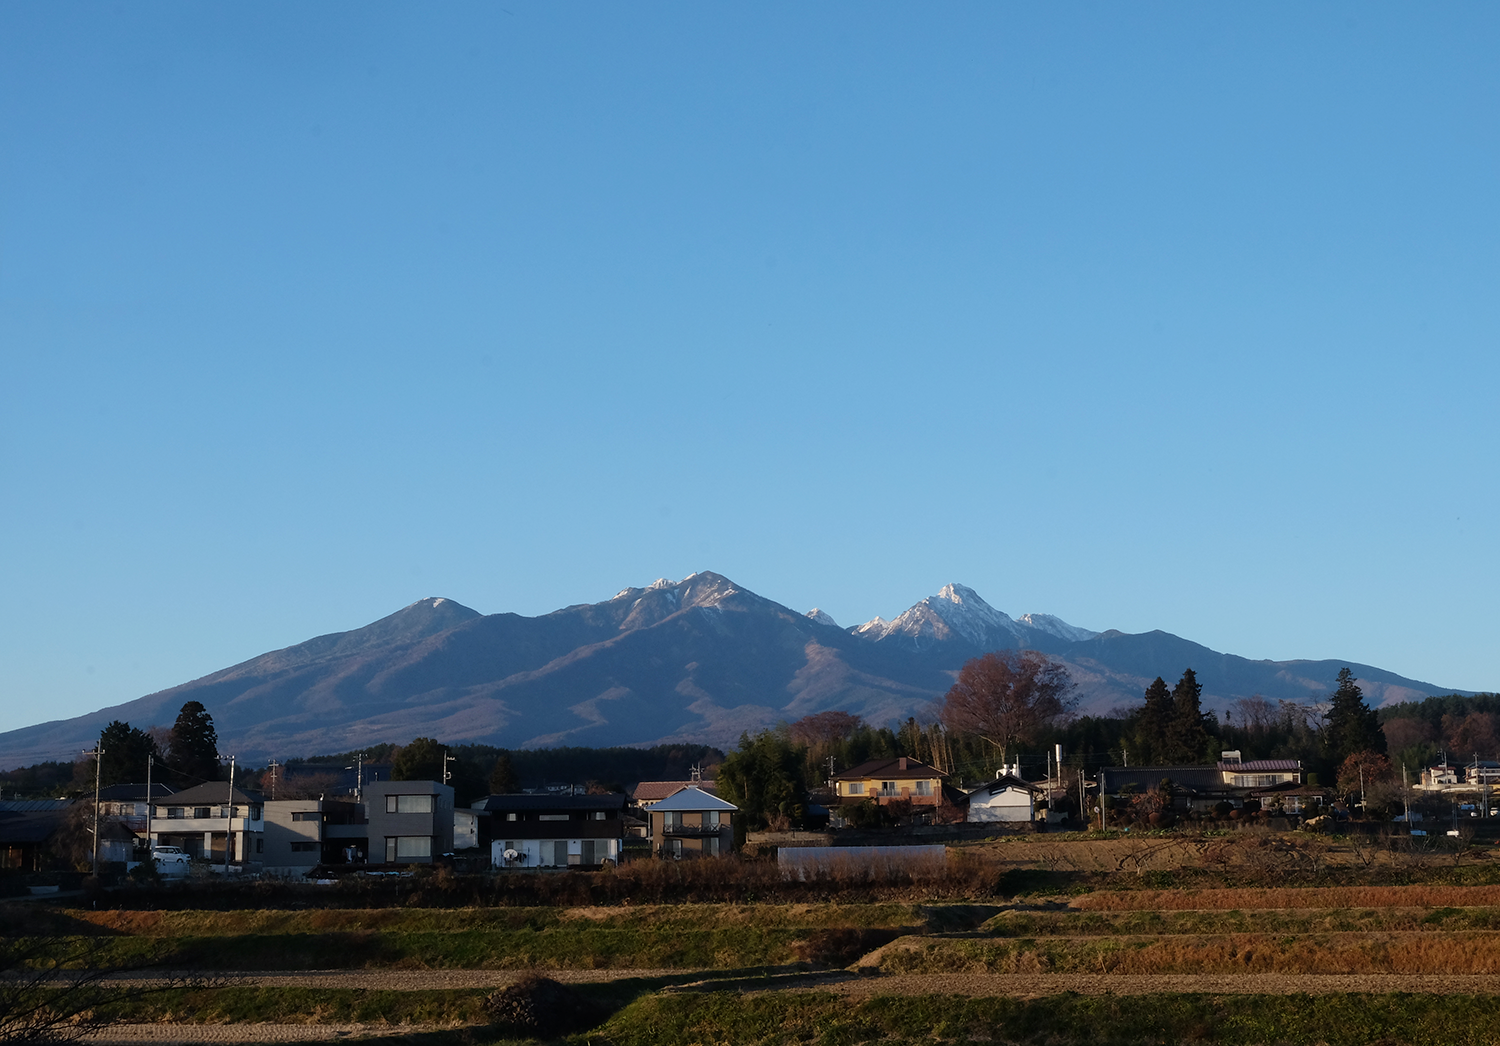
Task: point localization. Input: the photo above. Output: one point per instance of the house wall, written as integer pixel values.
(395, 836)
(692, 832)
(1012, 804)
(544, 853)
(920, 791)
(294, 836)
(204, 837)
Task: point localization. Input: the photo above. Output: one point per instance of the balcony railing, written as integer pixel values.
(691, 830)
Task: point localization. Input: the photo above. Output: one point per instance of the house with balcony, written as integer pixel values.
(554, 831)
(691, 822)
(891, 780)
(210, 821)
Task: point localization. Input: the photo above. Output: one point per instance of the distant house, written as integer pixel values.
(129, 803)
(1201, 788)
(554, 831)
(202, 820)
(890, 780)
(1006, 798)
(27, 828)
(647, 794)
(691, 822)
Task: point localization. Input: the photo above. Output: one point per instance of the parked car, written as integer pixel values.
(170, 860)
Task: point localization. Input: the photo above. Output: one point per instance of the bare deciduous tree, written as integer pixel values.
(1007, 697)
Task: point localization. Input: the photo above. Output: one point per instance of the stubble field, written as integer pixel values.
(1240, 938)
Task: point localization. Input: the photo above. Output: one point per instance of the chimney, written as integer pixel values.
(901, 763)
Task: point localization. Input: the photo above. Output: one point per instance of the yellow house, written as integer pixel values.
(891, 779)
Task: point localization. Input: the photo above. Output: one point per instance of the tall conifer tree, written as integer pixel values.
(1350, 725)
(193, 746)
(1187, 737)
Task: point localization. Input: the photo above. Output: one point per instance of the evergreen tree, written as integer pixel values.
(422, 760)
(503, 780)
(1350, 725)
(1187, 735)
(126, 751)
(193, 746)
(1153, 725)
(763, 777)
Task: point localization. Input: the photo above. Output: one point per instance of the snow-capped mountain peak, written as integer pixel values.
(822, 617)
(1056, 626)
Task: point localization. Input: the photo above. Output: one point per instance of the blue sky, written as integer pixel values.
(1149, 316)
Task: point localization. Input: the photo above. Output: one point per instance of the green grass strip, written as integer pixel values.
(1063, 1020)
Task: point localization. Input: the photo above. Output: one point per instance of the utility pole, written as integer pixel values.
(830, 772)
(447, 775)
(274, 766)
(1101, 800)
(150, 846)
(98, 754)
(229, 820)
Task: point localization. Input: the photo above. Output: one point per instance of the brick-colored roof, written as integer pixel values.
(654, 791)
(889, 768)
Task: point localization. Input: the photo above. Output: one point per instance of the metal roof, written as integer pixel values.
(650, 791)
(690, 799)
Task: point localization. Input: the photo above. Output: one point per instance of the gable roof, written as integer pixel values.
(1001, 783)
(207, 794)
(691, 798)
(651, 791)
(127, 792)
(890, 767)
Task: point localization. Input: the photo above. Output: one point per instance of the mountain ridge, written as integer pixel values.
(702, 659)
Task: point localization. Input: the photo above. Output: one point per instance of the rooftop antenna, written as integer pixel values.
(697, 774)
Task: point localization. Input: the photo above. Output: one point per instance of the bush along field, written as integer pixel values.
(1154, 938)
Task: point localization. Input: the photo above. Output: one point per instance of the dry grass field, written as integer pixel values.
(1241, 938)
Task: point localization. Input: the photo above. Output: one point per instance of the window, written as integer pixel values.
(407, 847)
(671, 819)
(856, 788)
(711, 818)
(260, 845)
(408, 804)
(924, 787)
(255, 813)
(600, 815)
(552, 817)
(174, 813)
(306, 815)
(200, 811)
(511, 817)
(887, 787)
(303, 848)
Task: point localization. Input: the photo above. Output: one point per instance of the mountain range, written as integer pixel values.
(700, 659)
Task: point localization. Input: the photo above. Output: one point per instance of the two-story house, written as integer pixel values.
(206, 818)
(889, 780)
(409, 822)
(554, 831)
(301, 834)
(692, 823)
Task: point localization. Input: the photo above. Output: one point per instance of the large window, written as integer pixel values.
(924, 787)
(408, 804)
(408, 847)
(306, 815)
(856, 788)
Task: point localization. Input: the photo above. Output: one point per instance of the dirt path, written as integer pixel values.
(191, 1034)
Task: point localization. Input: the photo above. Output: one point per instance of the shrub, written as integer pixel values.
(539, 1006)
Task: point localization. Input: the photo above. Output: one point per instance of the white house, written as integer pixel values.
(1006, 798)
